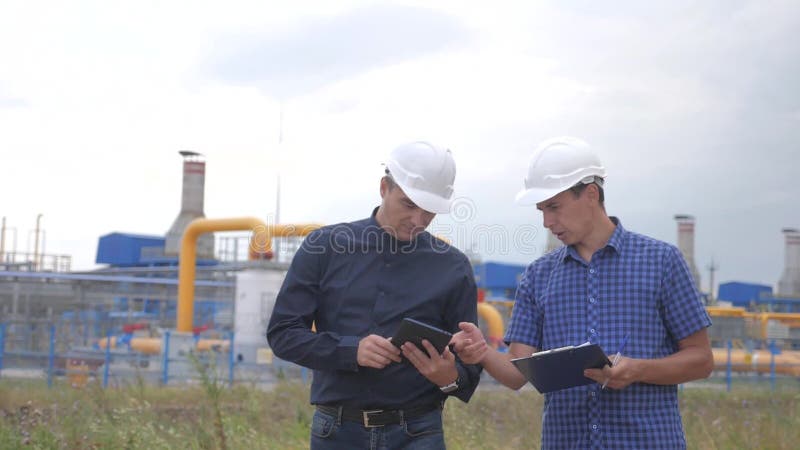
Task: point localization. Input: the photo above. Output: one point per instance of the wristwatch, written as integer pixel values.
(451, 387)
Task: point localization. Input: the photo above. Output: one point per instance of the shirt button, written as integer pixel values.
(388, 264)
(594, 427)
(592, 330)
(591, 300)
(592, 271)
(592, 394)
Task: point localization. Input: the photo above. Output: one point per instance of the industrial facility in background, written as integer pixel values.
(192, 200)
(789, 284)
(160, 298)
(686, 244)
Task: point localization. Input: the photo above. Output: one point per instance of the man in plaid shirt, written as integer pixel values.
(603, 285)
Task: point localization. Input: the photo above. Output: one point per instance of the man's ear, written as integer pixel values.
(593, 192)
(384, 187)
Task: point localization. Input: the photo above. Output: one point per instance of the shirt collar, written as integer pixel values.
(614, 242)
(372, 220)
(618, 236)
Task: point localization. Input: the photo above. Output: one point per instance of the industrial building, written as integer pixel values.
(158, 298)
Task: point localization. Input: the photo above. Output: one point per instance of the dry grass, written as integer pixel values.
(200, 417)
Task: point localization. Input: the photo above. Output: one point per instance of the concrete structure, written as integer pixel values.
(789, 284)
(686, 243)
(194, 179)
(256, 291)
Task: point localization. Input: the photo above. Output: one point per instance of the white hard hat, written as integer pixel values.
(556, 165)
(425, 173)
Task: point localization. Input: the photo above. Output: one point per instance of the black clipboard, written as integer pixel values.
(561, 368)
(415, 331)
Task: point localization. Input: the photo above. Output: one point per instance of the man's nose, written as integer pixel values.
(547, 220)
(421, 218)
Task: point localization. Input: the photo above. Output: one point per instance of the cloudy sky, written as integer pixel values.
(694, 107)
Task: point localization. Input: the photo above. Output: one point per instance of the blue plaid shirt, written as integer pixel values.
(634, 285)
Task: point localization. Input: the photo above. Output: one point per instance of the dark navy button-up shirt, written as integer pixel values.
(634, 285)
(354, 279)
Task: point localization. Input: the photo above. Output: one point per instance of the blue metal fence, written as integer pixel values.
(115, 366)
(45, 351)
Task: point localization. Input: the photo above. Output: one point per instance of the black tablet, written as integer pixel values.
(415, 331)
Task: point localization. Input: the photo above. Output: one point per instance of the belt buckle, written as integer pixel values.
(365, 415)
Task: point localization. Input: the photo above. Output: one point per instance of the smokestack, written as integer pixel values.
(686, 243)
(790, 280)
(194, 180)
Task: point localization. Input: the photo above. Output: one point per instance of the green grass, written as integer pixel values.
(208, 416)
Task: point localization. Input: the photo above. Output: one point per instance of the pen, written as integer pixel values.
(617, 356)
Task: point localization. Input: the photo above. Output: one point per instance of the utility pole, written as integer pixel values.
(2, 239)
(277, 246)
(712, 267)
(36, 243)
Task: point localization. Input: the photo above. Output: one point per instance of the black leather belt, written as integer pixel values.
(377, 417)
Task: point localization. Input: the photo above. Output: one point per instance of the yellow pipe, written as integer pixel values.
(725, 311)
(261, 240)
(494, 321)
(788, 362)
(152, 346)
(221, 345)
(103, 341)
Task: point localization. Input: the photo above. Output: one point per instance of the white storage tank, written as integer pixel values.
(256, 291)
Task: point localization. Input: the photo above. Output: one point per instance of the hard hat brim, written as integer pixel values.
(427, 201)
(533, 196)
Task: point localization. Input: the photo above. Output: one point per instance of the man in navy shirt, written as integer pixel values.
(356, 282)
(606, 285)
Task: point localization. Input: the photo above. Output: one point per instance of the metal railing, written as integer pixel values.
(33, 262)
(53, 353)
(50, 352)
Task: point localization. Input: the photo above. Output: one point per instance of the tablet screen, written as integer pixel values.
(415, 331)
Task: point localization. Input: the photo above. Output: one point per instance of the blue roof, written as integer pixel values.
(492, 275)
(125, 249)
(743, 294)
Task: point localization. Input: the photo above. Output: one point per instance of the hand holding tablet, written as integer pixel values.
(415, 331)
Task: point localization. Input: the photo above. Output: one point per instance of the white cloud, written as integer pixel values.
(694, 107)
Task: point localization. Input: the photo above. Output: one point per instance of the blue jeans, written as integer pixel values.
(419, 433)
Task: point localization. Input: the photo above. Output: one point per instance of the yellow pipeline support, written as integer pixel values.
(494, 321)
(261, 240)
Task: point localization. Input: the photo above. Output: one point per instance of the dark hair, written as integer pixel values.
(389, 180)
(580, 187)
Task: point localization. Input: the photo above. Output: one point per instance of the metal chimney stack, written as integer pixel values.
(686, 243)
(194, 180)
(790, 280)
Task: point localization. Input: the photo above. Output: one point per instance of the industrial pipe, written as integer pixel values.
(494, 321)
(152, 346)
(261, 239)
(787, 362)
